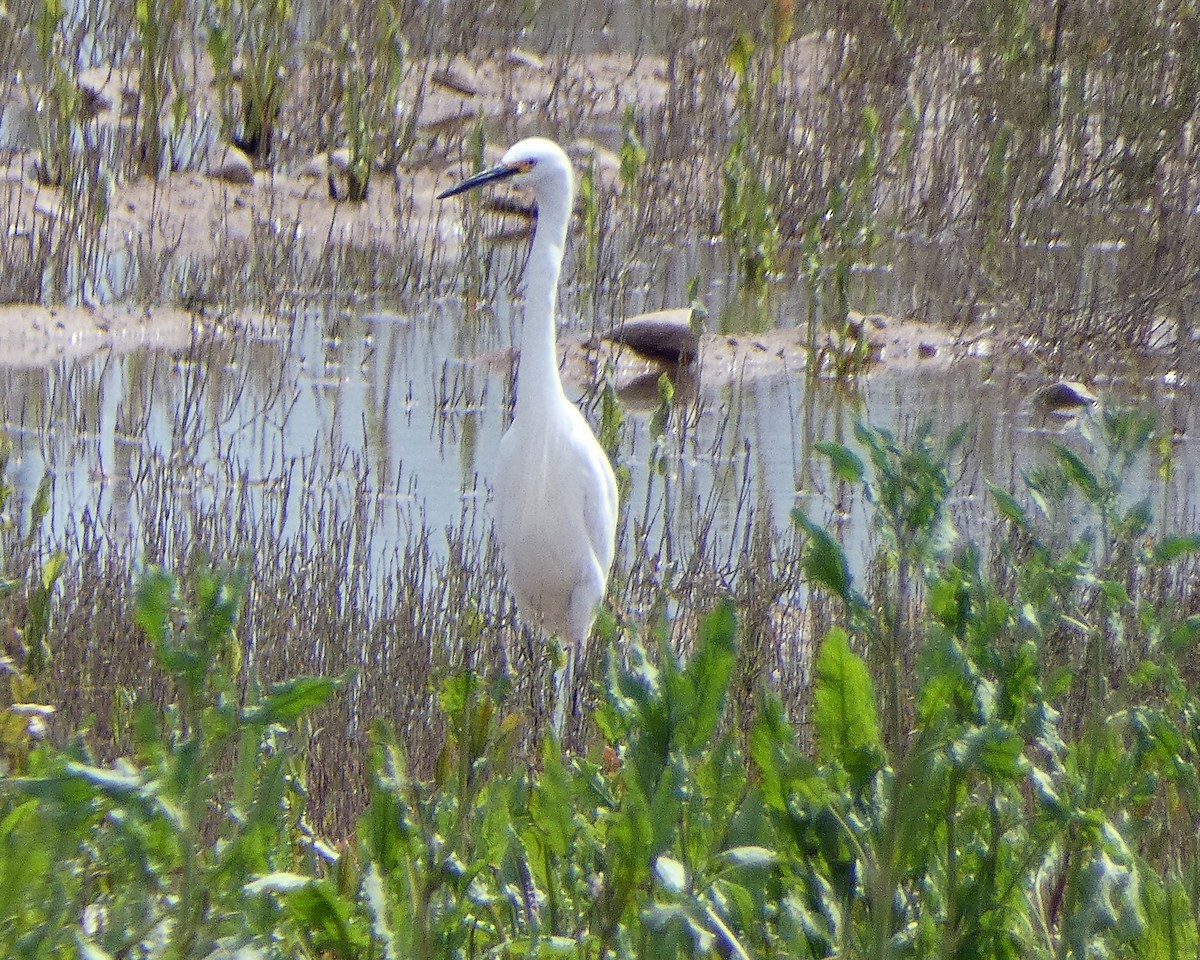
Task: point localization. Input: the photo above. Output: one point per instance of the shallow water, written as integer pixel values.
(345, 404)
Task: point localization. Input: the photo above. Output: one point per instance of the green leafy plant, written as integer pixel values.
(170, 846)
(250, 42)
(369, 80)
(999, 797)
(843, 235)
(748, 220)
(157, 22)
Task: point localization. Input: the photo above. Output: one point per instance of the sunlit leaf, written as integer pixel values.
(280, 882)
(375, 901)
(114, 782)
(740, 53)
(824, 561)
(89, 951)
(290, 699)
(844, 716)
(757, 858)
(1175, 546)
(847, 465)
(1043, 786)
(671, 874)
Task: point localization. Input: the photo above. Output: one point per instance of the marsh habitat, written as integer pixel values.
(898, 656)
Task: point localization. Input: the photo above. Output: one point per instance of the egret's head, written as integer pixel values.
(536, 163)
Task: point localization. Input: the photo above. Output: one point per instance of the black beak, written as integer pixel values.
(502, 172)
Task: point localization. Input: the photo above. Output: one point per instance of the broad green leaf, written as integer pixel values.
(824, 560)
(290, 699)
(42, 501)
(328, 919)
(550, 801)
(1007, 504)
(69, 792)
(1171, 932)
(1185, 634)
(52, 568)
(1173, 547)
(740, 53)
(994, 749)
(1079, 473)
(708, 673)
(155, 597)
(665, 803)
(844, 715)
(847, 465)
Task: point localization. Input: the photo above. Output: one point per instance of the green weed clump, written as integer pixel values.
(1025, 787)
(260, 32)
(748, 220)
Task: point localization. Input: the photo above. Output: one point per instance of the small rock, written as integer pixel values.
(339, 159)
(451, 117)
(523, 58)
(453, 80)
(1063, 395)
(926, 351)
(665, 336)
(232, 166)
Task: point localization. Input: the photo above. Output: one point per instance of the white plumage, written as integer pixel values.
(555, 493)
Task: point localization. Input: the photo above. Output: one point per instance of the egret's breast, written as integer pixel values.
(542, 488)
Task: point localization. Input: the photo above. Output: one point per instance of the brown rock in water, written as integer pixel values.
(664, 336)
(1063, 396)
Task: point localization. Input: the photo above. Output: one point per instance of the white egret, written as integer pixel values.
(554, 489)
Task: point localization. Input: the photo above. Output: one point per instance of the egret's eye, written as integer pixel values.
(524, 166)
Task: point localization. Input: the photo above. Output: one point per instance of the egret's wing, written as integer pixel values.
(600, 504)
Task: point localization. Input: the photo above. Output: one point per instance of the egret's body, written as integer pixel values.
(555, 493)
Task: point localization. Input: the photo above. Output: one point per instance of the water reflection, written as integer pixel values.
(389, 408)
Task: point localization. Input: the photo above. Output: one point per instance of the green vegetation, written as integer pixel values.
(249, 42)
(747, 220)
(369, 79)
(979, 746)
(819, 142)
(1025, 786)
(157, 24)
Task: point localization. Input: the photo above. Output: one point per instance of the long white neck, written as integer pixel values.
(538, 383)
